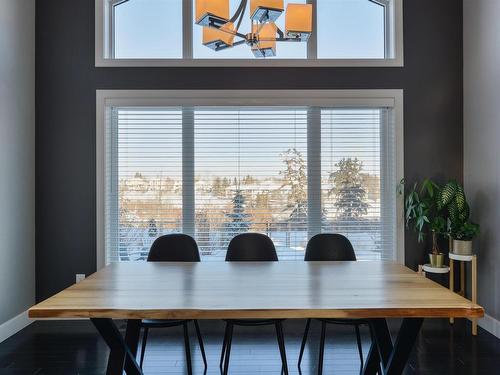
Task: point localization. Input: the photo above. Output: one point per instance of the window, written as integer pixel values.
(362, 20)
(250, 175)
(290, 165)
(163, 33)
(355, 193)
(145, 178)
(143, 29)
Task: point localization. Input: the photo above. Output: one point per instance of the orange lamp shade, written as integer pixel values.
(298, 21)
(266, 10)
(223, 37)
(266, 40)
(211, 9)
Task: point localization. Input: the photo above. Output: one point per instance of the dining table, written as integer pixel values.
(374, 291)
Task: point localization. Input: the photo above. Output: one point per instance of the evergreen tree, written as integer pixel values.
(217, 187)
(238, 220)
(348, 189)
(152, 228)
(295, 180)
(203, 232)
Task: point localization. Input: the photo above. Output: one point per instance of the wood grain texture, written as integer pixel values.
(255, 290)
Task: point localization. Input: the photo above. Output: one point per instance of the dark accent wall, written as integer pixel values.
(66, 81)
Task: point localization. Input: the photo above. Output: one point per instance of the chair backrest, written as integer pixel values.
(175, 247)
(251, 247)
(329, 247)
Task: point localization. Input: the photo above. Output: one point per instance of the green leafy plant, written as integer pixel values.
(441, 210)
(452, 198)
(466, 232)
(423, 212)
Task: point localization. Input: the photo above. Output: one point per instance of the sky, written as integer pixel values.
(233, 142)
(153, 29)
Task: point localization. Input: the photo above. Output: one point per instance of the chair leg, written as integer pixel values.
(187, 348)
(360, 348)
(143, 348)
(304, 340)
(281, 343)
(223, 351)
(200, 342)
(321, 348)
(228, 347)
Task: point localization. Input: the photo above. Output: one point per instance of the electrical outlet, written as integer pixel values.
(79, 277)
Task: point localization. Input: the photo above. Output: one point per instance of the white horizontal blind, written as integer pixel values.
(357, 179)
(214, 172)
(146, 170)
(251, 176)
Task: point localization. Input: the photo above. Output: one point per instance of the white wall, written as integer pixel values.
(482, 142)
(17, 158)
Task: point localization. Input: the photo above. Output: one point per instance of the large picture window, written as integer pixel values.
(213, 171)
(163, 33)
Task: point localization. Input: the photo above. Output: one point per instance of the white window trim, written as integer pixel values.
(336, 98)
(103, 45)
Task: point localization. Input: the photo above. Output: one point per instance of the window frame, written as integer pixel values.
(104, 44)
(106, 99)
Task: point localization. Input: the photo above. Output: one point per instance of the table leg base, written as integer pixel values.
(384, 356)
(122, 351)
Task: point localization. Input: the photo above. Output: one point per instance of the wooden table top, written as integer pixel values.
(220, 290)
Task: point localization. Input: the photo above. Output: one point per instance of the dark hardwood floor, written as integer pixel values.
(73, 347)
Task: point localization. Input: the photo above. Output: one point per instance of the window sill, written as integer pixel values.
(360, 63)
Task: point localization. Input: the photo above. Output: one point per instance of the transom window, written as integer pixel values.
(212, 171)
(163, 32)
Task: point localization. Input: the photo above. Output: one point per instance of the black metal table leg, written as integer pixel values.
(404, 344)
(121, 355)
(383, 339)
(372, 364)
(384, 355)
(132, 335)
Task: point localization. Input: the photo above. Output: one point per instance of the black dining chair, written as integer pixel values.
(251, 247)
(174, 248)
(334, 248)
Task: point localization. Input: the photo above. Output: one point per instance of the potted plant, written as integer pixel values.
(460, 230)
(422, 209)
(463, 236)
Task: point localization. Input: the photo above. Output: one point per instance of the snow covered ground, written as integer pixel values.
(290, 245)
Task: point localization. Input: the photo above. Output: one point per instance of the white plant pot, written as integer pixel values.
(462, 247)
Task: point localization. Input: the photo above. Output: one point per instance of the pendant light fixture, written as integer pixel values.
(262, 10)
(265, 45)
(224, 36)
(221, 31)
(210, 11)
(298, 21)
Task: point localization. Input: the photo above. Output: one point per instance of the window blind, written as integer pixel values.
(145, 176)
(215, 172)
(251, 176)
(357, 162)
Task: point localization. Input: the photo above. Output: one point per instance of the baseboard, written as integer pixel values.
(490, 324)
(14, 325)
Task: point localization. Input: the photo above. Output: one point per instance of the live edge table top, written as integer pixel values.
(241, 290)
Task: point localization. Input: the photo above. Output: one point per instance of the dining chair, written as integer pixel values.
(174, 247)
(251, 247)
(331, 247)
